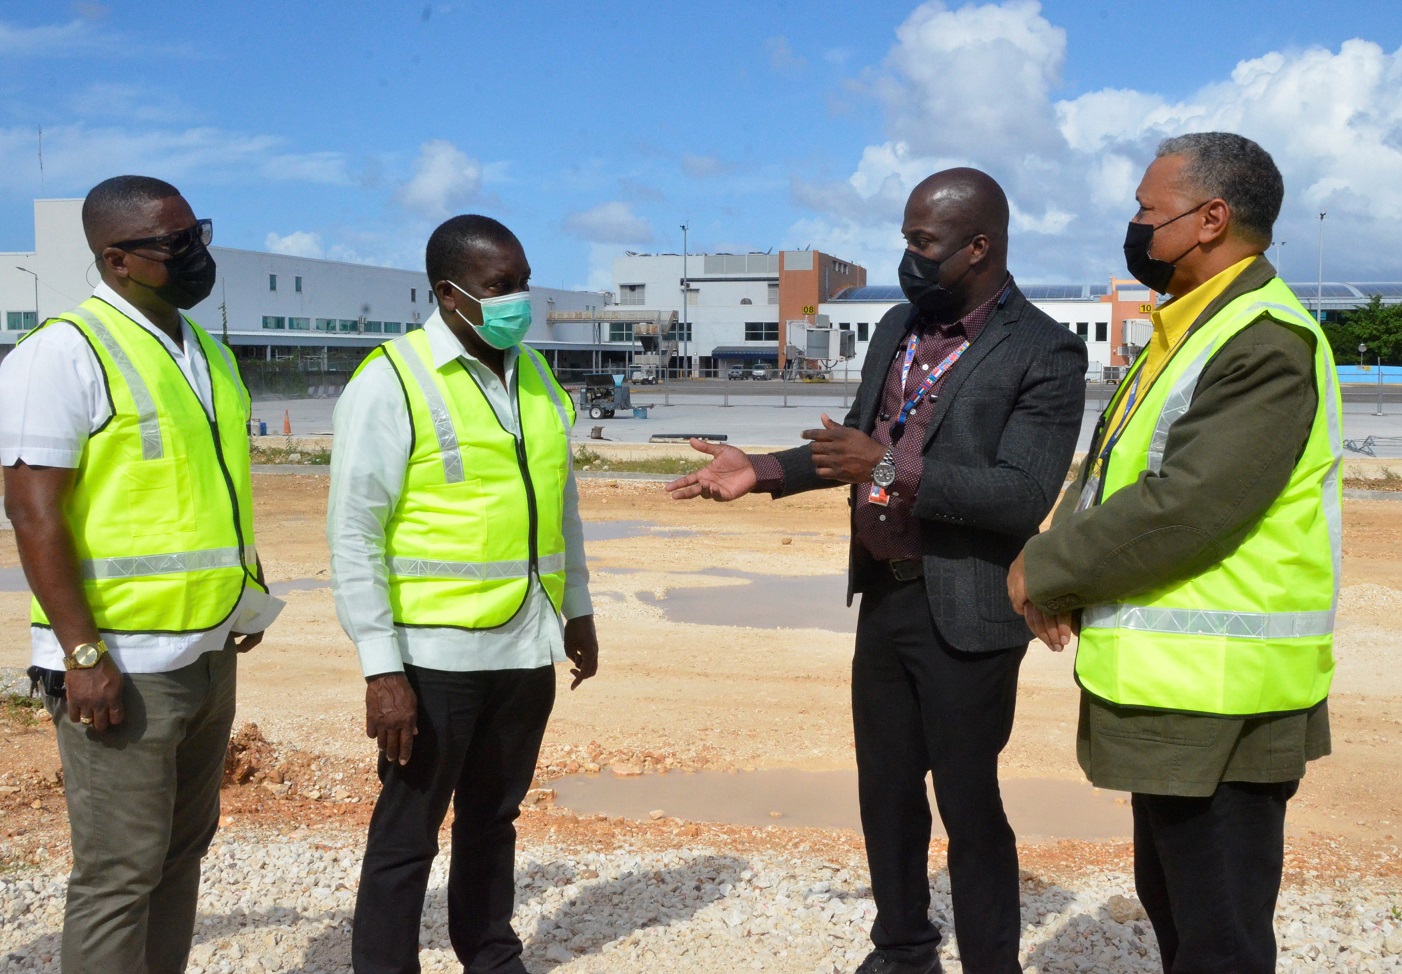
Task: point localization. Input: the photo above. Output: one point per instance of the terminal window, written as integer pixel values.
(21, 320)
(863, 330)
(391, 327)
(299, 324)
(297, 284)
(1083, 329)
(1102, 331)
(272, 282)
(326, 324)
(761, 331)
(773, 293)
(374, 327)
(632, 294)
(413, 295)
(621, 331)
(275, 322)
(349, 324)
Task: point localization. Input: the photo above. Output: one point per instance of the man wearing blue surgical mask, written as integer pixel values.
(456, 548)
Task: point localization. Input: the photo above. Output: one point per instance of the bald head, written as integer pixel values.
(122, 208)
(957, 221)
(970, 201)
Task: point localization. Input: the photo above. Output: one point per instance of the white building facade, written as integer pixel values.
(302, 315)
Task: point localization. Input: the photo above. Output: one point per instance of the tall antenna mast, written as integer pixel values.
(41, 160)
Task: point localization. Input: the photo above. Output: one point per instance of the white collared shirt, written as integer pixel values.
(52, 398)
(373, 436)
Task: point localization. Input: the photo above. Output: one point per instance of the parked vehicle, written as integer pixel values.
(644, 376)
(761, 371)
(737, 372)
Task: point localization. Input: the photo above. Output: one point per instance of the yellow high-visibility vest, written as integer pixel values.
(1253, 634)
(481, 510)
(162, 506)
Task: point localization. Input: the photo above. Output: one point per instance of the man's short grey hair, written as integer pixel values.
(1232, 167)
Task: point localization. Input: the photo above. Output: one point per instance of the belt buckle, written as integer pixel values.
(907, 569)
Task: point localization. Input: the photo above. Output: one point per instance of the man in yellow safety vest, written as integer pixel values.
(456, 547)
(124, 438)
(1199, 552)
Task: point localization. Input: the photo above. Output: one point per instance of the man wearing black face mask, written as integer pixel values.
(123, 436)
(1199, 552)
(954, 451)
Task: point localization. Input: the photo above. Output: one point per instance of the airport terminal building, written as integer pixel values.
(301, 325)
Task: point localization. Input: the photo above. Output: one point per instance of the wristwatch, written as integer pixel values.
(85, 656)
(884, 473)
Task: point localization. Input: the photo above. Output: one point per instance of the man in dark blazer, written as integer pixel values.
(955, 450)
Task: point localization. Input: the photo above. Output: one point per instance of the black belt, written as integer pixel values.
(906, 569)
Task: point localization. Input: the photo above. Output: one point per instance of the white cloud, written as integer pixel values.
(78, 155)
(976, 86)
(609, 223)
(299, 243)
(445, 178)
(782, 57)
(74, 37)
(700, 167)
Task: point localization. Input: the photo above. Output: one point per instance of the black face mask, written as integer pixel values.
(920, 282)
(1153, 273)
(190, 278)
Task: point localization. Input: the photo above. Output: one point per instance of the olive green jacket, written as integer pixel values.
(1225, 462)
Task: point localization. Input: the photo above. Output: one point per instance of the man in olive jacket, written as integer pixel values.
(1246, 439)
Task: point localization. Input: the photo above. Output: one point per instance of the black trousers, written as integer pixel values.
(479, 737)
(1208, 872)
(920, 707)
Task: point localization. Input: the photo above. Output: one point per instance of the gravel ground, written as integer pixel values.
(285, 903)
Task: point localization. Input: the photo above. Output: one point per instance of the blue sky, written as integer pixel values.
(349, 130)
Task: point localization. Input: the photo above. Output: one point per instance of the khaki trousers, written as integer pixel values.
(143, 805)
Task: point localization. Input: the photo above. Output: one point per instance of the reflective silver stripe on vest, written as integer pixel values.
(549, 388)
(475, 570)
(1208, 622)
(175, 563)
(147, 420)
(1180, 397)
(1333, 514)
(437, 410)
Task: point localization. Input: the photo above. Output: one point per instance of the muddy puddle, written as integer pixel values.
(621, 530)
(1040, 809)
(12, 580)
(763, 602)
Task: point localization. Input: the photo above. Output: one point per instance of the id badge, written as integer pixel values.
(879, 496)
(1088, 492)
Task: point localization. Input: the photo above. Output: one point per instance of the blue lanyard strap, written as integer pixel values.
(1114, 437)
(898, 427)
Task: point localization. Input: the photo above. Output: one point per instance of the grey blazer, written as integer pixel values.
(997, 449)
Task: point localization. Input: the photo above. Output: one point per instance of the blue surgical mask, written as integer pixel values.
(505, 319)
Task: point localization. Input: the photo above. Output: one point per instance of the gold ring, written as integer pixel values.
(85, 720)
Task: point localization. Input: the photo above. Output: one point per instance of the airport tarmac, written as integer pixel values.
(773, 414)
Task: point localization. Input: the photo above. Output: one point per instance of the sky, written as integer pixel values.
(350, 130)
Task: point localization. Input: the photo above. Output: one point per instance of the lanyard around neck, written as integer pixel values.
(898, 427)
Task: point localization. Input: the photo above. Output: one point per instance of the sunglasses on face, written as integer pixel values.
(174, 244)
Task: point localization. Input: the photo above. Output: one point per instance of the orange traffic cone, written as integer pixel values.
(286, 423)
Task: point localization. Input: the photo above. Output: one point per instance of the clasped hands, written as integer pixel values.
(1053, 628)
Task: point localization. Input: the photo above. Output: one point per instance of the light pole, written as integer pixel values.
(1279, 246)
(1362, 347)
(1319, 292)
(36, 291)
(686, 298)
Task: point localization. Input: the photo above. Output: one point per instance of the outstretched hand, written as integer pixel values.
(729, 475)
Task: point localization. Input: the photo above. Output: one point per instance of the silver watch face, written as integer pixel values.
(884, 474)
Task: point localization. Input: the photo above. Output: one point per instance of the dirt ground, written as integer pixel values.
(691, 695)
